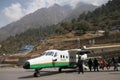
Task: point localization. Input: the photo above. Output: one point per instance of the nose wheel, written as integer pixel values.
(60, 70)
(37, 73)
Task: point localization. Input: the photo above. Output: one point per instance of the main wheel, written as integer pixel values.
(60, 69)
(36, 74)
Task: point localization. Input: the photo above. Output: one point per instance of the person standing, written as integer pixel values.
(109, 61)
(115, 64)
(101, 63)
(80, 65)
(90, 64)
(95, 64)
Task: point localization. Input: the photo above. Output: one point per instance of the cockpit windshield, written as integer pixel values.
(50, 53)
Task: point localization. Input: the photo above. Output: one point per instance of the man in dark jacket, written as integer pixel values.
(90, 64)
(95, 64)
(80, 65)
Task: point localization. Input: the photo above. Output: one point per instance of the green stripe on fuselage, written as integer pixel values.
(51, 64)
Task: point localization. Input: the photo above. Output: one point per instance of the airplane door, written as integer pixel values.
(72, 59)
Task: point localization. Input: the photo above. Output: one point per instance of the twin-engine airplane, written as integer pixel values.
(56, 58)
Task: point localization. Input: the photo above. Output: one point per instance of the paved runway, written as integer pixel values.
(52, 74)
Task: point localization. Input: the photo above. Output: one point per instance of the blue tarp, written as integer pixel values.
(25, 48)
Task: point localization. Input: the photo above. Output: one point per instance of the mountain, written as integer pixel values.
(44, 17)
(80, 8)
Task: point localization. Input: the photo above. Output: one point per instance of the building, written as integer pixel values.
(25, 48)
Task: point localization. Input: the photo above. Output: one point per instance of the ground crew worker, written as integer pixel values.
(80, 65)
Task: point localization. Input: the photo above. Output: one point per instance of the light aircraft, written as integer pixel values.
(56, 58)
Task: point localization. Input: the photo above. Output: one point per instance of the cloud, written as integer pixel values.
(14, 12)
(95, 2)
(37, 4)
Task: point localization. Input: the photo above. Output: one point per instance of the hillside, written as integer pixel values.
(66, 42)
(106, 17)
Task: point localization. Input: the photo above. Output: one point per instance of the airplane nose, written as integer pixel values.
(26, 65)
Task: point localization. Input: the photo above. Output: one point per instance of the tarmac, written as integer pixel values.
(53, 74)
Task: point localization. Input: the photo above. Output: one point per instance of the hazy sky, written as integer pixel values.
(12, 10)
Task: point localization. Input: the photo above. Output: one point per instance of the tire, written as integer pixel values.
(36, 74)
(60, 69)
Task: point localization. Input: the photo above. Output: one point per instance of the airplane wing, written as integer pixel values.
(78, 51)
(100, 47)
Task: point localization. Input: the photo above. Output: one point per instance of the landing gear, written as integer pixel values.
(60, 69)
(37, 73)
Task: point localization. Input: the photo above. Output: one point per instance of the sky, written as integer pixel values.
(13, 10)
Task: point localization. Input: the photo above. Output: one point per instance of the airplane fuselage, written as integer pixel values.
(53, 58)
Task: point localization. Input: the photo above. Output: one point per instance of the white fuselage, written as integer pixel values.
(55, 58)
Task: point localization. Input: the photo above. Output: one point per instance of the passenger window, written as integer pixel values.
(60, 56)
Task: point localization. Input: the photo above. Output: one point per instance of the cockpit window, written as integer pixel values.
(55, 54)
(49, 53)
